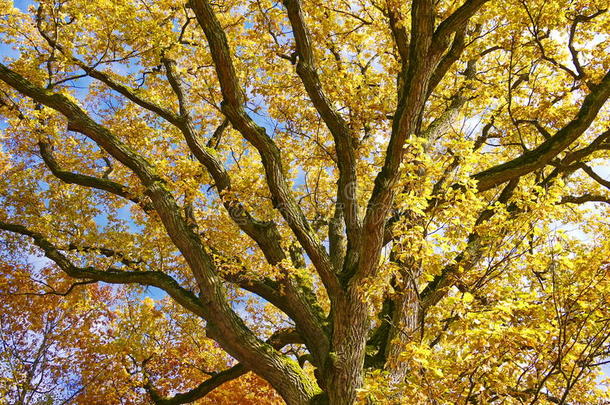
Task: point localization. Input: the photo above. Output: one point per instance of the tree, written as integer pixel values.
(62, 343)
(414, 191)
(42, 330)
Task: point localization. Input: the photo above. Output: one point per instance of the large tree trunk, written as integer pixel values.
(344, 367)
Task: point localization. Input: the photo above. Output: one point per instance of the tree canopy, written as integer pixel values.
(305, 201)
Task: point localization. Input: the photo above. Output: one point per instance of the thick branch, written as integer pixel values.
(406, 120)
(457, 19)
(79, 121)
(158, 279)
(399, 32)
(581, 199)
(457, 47)
(277, 340)
(201, 390)
(545, 152)
(336, 238)
(87, 181)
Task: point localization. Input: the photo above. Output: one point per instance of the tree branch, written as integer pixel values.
(233, 107)
(158, 279)
(201, 390)
(584, 198)
(545, 152)
(457, 47)
(278, 340)
(436, 289)
(339, 128)
(263, 233)
(599, 143)
(457, 19)
(594, 175)
(407, 119)
(399, 32)
(542, 130)
(87, 181)
(106, 252)
(105, 78)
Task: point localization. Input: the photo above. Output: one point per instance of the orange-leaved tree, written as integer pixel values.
(356, 200)
(62, 342)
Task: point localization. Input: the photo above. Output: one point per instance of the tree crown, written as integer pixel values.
(354, 199)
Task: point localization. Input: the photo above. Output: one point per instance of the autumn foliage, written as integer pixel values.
(304, 202)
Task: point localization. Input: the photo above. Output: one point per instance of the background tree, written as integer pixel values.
(65, 343)
(43, 335)
(392, 181)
